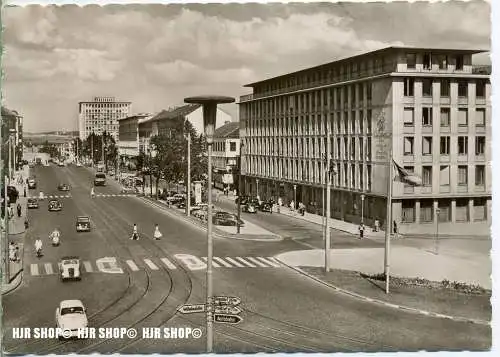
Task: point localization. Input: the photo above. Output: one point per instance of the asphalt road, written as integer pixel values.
(282, 310)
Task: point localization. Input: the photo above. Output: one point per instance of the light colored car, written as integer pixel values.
(78, 164)
(69, 268)
(71, 316)
(83, 224)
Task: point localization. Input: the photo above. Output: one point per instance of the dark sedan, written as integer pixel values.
(32, 203)
(55, 205)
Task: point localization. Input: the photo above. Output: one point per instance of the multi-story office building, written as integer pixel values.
(225, 155)
(430, 106)
(128, 136)
(101, 114)
(12, 120)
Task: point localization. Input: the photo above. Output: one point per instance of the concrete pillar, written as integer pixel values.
(488, 211)
(471, 210)
(417, 211)
(453, 211)
(342, 208)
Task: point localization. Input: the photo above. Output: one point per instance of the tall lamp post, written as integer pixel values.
(437, 231)
(152, 155)
(362, 208)
(294, 196)
(209, 117)
(238, 228)
(7, 178)
(188, 183)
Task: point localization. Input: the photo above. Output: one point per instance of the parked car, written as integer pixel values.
(55, 205)
(83, 224)
(249, 208)
(265, 207)
(222, 218)
(243, 200)
(32, 203)
(71, 316)
(69, 268)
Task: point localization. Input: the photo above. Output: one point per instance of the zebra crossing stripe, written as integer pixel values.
(213, 263)
(150, 264)
(88, 267)
(132, 265)
(245, 262)
(231, 260)
(48, 269)
(223, 262)
(269, 261)
(168, 263)
(253, 260)
(34, 269)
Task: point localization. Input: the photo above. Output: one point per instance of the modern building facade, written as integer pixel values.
(429, 107)
(225, 156)
(128, 135)
(11, 119)
(101, 114)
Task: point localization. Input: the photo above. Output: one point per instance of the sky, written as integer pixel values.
(156, 55)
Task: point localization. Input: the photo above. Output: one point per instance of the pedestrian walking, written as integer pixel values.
(10, 211)
(24, 191)
(376, 227)
(157, 234)
(395, 229)
(19, 210)
(292, 205)
(361, 229)
(135, 233)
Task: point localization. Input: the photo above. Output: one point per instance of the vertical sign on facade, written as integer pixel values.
(382, 137)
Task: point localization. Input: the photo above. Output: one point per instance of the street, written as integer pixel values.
(281, 310)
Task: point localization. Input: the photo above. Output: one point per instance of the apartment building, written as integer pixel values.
(429, 107)
(225, 156)
(101, 114)
(11, 119)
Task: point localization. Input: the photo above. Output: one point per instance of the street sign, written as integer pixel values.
(226, 300)
(231, 310)
(228, 319)
(191, 309)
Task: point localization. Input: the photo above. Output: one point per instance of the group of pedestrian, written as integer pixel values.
(156, 233)
(14, 252)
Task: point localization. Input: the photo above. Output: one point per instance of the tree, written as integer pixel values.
(78, 148)
(50, 149)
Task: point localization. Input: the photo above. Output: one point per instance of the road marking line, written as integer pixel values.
(168, 263)
(269, 261)
(245, 262)
(215, 265)
(34, 269)
(88, 267)
(220, 260)
(150, 264)
(48, 269)
(132, 265)
(252, 259)
(239, 265)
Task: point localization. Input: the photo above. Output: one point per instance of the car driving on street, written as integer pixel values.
(69, 268)
(31, 183)
(71, 316)
(100, 179)
(63, 187)
(32, 203)
(250, 208)
(83, 224)
(55, 205)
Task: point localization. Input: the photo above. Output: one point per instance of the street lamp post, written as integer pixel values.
(437, 231)
(238, 228)
(257, 188)
(188, 183)
(362, 208)
(209, 120)
(294, 196)
(152, 155)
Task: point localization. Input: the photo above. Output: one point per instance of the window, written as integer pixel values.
(459, 63)
(445, 117)
(411, 60)
(480, 117)
(369, 177)
(369, 91)
(361, 149)
(445, 88)
(462, 210)
(480, 208)
(353, 149)
(427, 145)
(463, 144)
(444, 145)
(427, 175)
(462, 175)
(480, 89)
(408, 208)
(427, 61)
(408, 119)
(462, 88)
(444, 175)
(427, 116)
(479, 175)
(426, 210)
(443, 61)
(427, 88)
(480, 143)
(369, 148)
(232, 146)
(409, 86)
(408, 145)
(462, 117)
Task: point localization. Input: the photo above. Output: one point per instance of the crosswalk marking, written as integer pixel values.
(88, 267)
(214, 264)
(253, 260)
(245, 262)
(48, 269)
(227, 265)
(34, 269)
(168, 263)
(235, 262)
(269, 261)
(150, 264)
(132, 265)
(154, 263)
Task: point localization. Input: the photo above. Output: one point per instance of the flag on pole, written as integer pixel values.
(406, 176)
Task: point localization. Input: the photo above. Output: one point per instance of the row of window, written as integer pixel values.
(462, 144)
(444, 116)
(439, 59)
(444, 87)
(445, 174)
(464, 211)
(221, 146)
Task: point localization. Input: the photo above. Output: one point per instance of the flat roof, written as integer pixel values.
(379, 51)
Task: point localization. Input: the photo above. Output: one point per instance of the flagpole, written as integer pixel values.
(388, 223)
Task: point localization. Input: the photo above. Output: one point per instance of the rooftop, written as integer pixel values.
(175, 112)
(371, 53)
(229, 130)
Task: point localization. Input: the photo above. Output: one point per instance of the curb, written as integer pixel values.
(384, 303)
(216, 233)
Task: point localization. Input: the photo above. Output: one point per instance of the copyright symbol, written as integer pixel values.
(131, 333)
(66, 333)
(196, 333)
